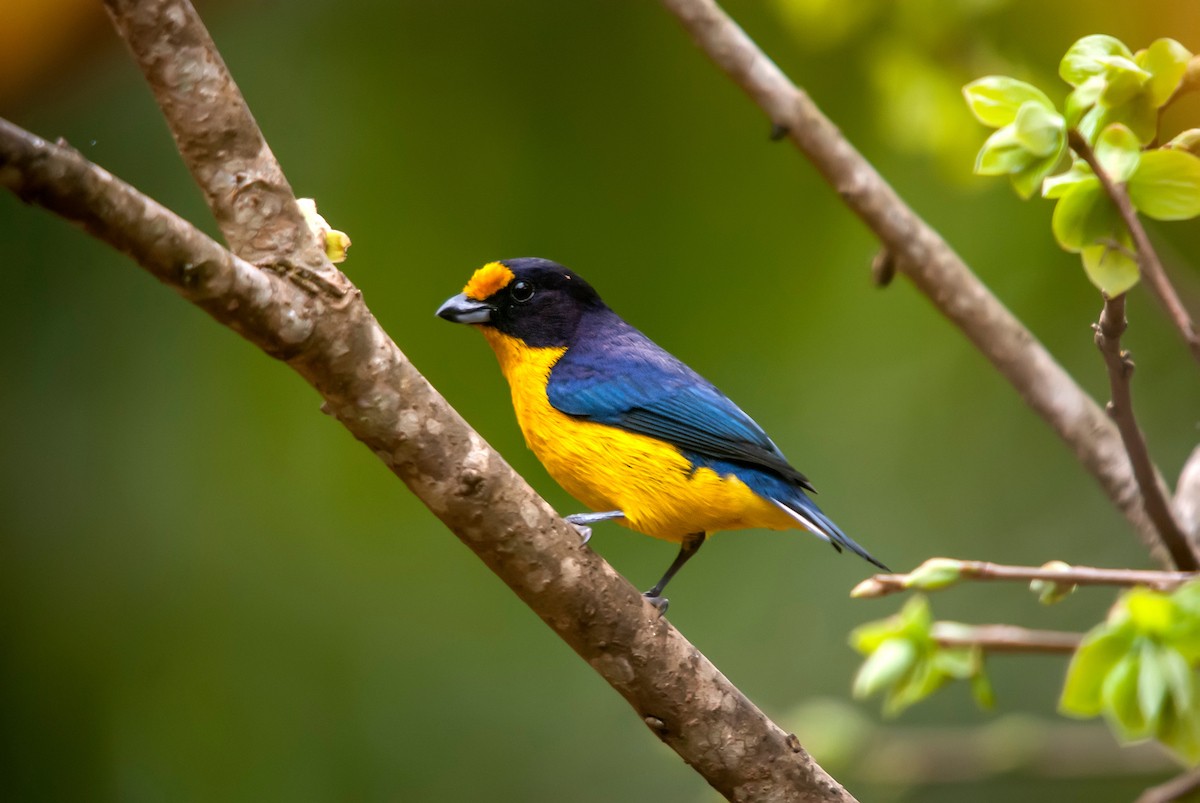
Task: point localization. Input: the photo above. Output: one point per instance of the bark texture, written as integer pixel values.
(216, 134)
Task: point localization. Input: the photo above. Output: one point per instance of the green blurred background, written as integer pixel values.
(209, 591)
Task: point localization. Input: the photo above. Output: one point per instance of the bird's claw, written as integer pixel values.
(585, 532)
(660, 603)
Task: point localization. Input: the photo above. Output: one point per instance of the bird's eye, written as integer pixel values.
(521, 291)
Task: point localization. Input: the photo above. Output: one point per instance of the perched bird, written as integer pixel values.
(624, 426)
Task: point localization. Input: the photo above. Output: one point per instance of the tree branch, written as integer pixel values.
(218, 138)
(371, 387)
(1154, 493)
(921, 254)
(1004, 638)
(1177, 788)
(880, 585)
(1148, 262)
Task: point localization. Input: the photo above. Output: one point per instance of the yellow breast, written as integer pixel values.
(611, 469)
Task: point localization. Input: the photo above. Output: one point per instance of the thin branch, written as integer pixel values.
(371, 387)
(880, 585)
(1177, 788)
(218, 138)
(1147, 258)
(1005, 638)
(931, 264)
(1120, 370)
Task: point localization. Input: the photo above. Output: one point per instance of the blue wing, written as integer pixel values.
(621, 378)
(617, 376)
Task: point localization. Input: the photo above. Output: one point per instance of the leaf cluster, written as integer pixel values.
(905, 661)
(1137, 668)
(1114, 105)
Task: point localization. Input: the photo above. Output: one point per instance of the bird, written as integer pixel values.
(626, 427)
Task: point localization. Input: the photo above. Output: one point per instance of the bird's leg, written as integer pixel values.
(690, 546)
(582, 520)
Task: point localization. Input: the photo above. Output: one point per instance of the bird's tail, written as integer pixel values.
(806, 512)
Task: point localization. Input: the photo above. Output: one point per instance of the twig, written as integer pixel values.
(1120, 369)
(1175, 789)
(926, 259)
(217, 136)
(880, 585)
(371, 387)
(1148, 262)
(1004, 638)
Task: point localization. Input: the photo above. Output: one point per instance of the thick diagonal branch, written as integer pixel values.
(217, 136)
(922, 255)
(371, 387)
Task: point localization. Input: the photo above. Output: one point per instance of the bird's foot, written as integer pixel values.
(658, 602)
(585, 532)
(580, 521)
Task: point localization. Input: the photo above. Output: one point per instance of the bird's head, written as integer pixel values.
(534, 300)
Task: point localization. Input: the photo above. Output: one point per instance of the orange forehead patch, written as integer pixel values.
(487, 281)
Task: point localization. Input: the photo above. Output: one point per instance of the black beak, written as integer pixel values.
(461, 309)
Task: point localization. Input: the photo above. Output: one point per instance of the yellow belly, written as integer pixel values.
(611, 469)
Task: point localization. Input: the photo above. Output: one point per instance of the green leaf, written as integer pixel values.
(1166, 60)
(1083, 216)
(1083, 98)
(1166, 185)
(1181, 733)
(1150, 611)
(915, 617)
(1002, 153)
(1118, 152)
(1057, 186)
(1185, 630)
(1188, 140)
(1120, 696)
(996, 99)
(959, 663)
(1110, 267)
(911, 622)
(1152, 682)
(981, 690)
(1027, 180)
(923, 681)
(890, 662)
(866, 638)
(1124, 79)
(1187, 597)
(1180, 680)
(1096, 657)
(1091, 56)
(1039, 129)
(1138, 114)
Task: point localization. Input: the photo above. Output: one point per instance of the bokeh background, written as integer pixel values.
(209, 591)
